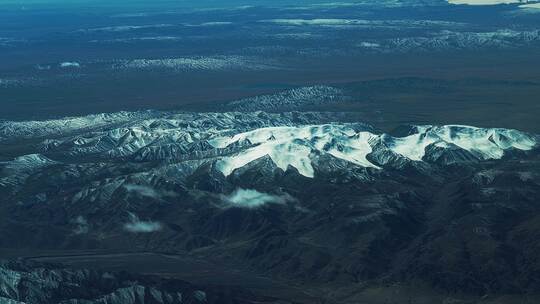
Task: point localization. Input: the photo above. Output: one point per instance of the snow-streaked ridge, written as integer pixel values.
(294, 146)
(485, 143)
(28, 162)
(308, 142)
(61, 126)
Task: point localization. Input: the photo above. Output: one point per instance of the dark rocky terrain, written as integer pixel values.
(453, 209)
(29, 282)
(291, 151)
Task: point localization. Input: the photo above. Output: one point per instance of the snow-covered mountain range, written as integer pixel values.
(232, 140)
(307, 189)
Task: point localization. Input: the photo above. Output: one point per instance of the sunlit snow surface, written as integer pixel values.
(232, 140)
(294, 146)
(486, 143)
(531, 6)
(483, 2)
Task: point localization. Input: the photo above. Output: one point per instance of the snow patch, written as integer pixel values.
(126, 28)
(194, 63)
(369, 45)
(531, 7)
(67, 64)
(296, 98)
(30, 161)
(211, 23)
(484, 2)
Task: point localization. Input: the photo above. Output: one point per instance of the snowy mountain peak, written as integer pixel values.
(294, 146)
(232, 140)
(485, 143)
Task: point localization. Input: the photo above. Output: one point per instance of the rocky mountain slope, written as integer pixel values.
(299, 197)
(28, 282)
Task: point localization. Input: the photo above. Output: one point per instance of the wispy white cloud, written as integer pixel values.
(248, 198)
(135, 225)
(147, 191)
(81, 225)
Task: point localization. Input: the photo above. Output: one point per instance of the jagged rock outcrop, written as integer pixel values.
(30, 282)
